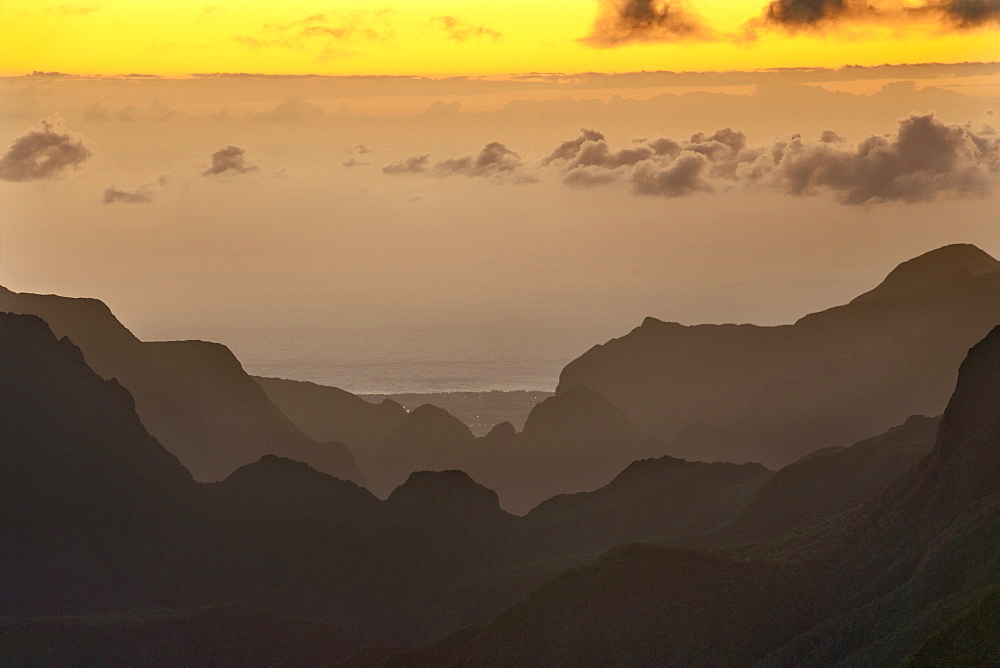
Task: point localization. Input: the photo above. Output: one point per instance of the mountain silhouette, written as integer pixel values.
(428, 438)
(865, 587)
(944, 265)
(193, 396)
(81, 480)
(100, 518)
(829, 481)
(327, 414)
(772, 394)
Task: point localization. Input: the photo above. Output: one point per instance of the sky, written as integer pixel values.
(429, 196)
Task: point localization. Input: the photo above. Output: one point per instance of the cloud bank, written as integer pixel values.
(924, 160)
(42, 153)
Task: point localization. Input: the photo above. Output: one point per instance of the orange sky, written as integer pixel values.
(438, 37)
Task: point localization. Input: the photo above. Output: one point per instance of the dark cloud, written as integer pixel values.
(139, 196)
(460, 31)
(353, 162)
(803, 13)
(416, 164)
(684, 175)
(972, 13)
(924, 160)
(568, 149)
(494, 159)
(623, 21)
(358, 149)
(229, 159)
(654, 166)
(41, 154)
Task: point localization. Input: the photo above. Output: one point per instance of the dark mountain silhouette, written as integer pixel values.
(193, 396)
(865, 587)
(218, 636)
(101, 518)
(327, 414)
(81, 480)
(773, 394)
(572, 442)
(970, 640)
(428, 438)
(830, 481)
(944, 265)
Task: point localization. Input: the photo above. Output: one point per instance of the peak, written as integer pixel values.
(429, 416)
(943, 265)
(443, 488)
(502, 432)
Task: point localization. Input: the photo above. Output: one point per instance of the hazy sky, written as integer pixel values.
(423, 232)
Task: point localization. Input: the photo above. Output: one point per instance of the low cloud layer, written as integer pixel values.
(924, 160)
(623, 21)
(42, 153)
(494, 160)
(138, 196)
(229, 159)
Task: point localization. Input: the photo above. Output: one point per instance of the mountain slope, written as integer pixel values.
(864, 588)
(193, 396)
(772, 394)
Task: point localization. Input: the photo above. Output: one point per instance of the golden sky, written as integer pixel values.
(440, 37)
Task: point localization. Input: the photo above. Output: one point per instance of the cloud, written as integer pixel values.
(972, 13)
(353, 162)
(682, 176)
(569, 149)
(924, 160)
(291, 109)
(413, 165)
(229, 159)
(797, 15)
(460, 31)
(138, 196)
(494, 159)
(802, 13)
(623, 21)
(358, 149)
(42, 153)
(326, 36)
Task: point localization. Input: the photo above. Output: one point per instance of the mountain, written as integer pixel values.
(428, 438)
(327, 414)
(829, 481)
(81, 480)
(97, 517)
(864, 588)
(220, 636)
(944, 265)
(773, 394)
(573, 442)
(193, 396)
(969, 640)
